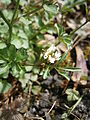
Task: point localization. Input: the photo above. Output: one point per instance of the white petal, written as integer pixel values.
(57, 55)
(51, 59)
(46, 55)
(52, 48)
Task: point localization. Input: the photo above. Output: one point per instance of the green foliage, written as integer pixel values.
(70, 4)
(7, 2)
(25, 50)
(72, 94)
(4, 86)
(45, 73)
(3, 26)
(36, 90)
(20, 31)
(64, 116)
(51, 8)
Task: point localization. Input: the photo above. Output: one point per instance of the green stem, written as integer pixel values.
(7, 22)
(71, 6)
(10, 24)
(32, 12)
(3, 58)
(12, 20)
(13, 17)
(4, 18)
(36, 10)
(87, 10)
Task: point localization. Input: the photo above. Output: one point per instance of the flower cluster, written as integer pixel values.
(52, 54)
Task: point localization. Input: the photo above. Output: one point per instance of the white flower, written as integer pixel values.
(51, 59)
(51, 49)
(46, 55)
(57, 55)
(52, 54)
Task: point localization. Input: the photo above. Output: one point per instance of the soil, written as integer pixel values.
(51, 92)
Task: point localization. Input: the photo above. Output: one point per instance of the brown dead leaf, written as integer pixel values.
(2, 6)
(71, 23)
(48, 40)
(84, 31)
(62, 47)
(80, 77)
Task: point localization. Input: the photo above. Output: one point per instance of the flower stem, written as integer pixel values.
(7, 22)
(10, 24)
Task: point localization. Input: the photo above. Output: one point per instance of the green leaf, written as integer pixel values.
(64, 74)
(62, 58)
(28, 68)
(71, 69)
(2, 45)
(3, 26)
(18, 71)
(36, 70)
(11, 52)
(25, 21)
(4, 86)
(25, 79)
(8, 14)
(21, 73)
(33, 77)
(72, 94)
(4, 70)
(51, 8)
(20, 43)
(64, 116)
(38, 22)
(2, 61)
(49, 29)
(45, 73)
(15, 71)
(60, 29)
(31, 57)
(21, 34)
(21, 55)
(4, 54)
(23, 2)
(36, 90)
(67, 40)
(7, 2)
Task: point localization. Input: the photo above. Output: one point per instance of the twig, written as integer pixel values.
(36, 118)
(50, 109)
(75, 105)
(63, 92)
(76, 43)
(77, 39)
(78, 28)
(71, 113)
(75, 116)
(41, 118)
